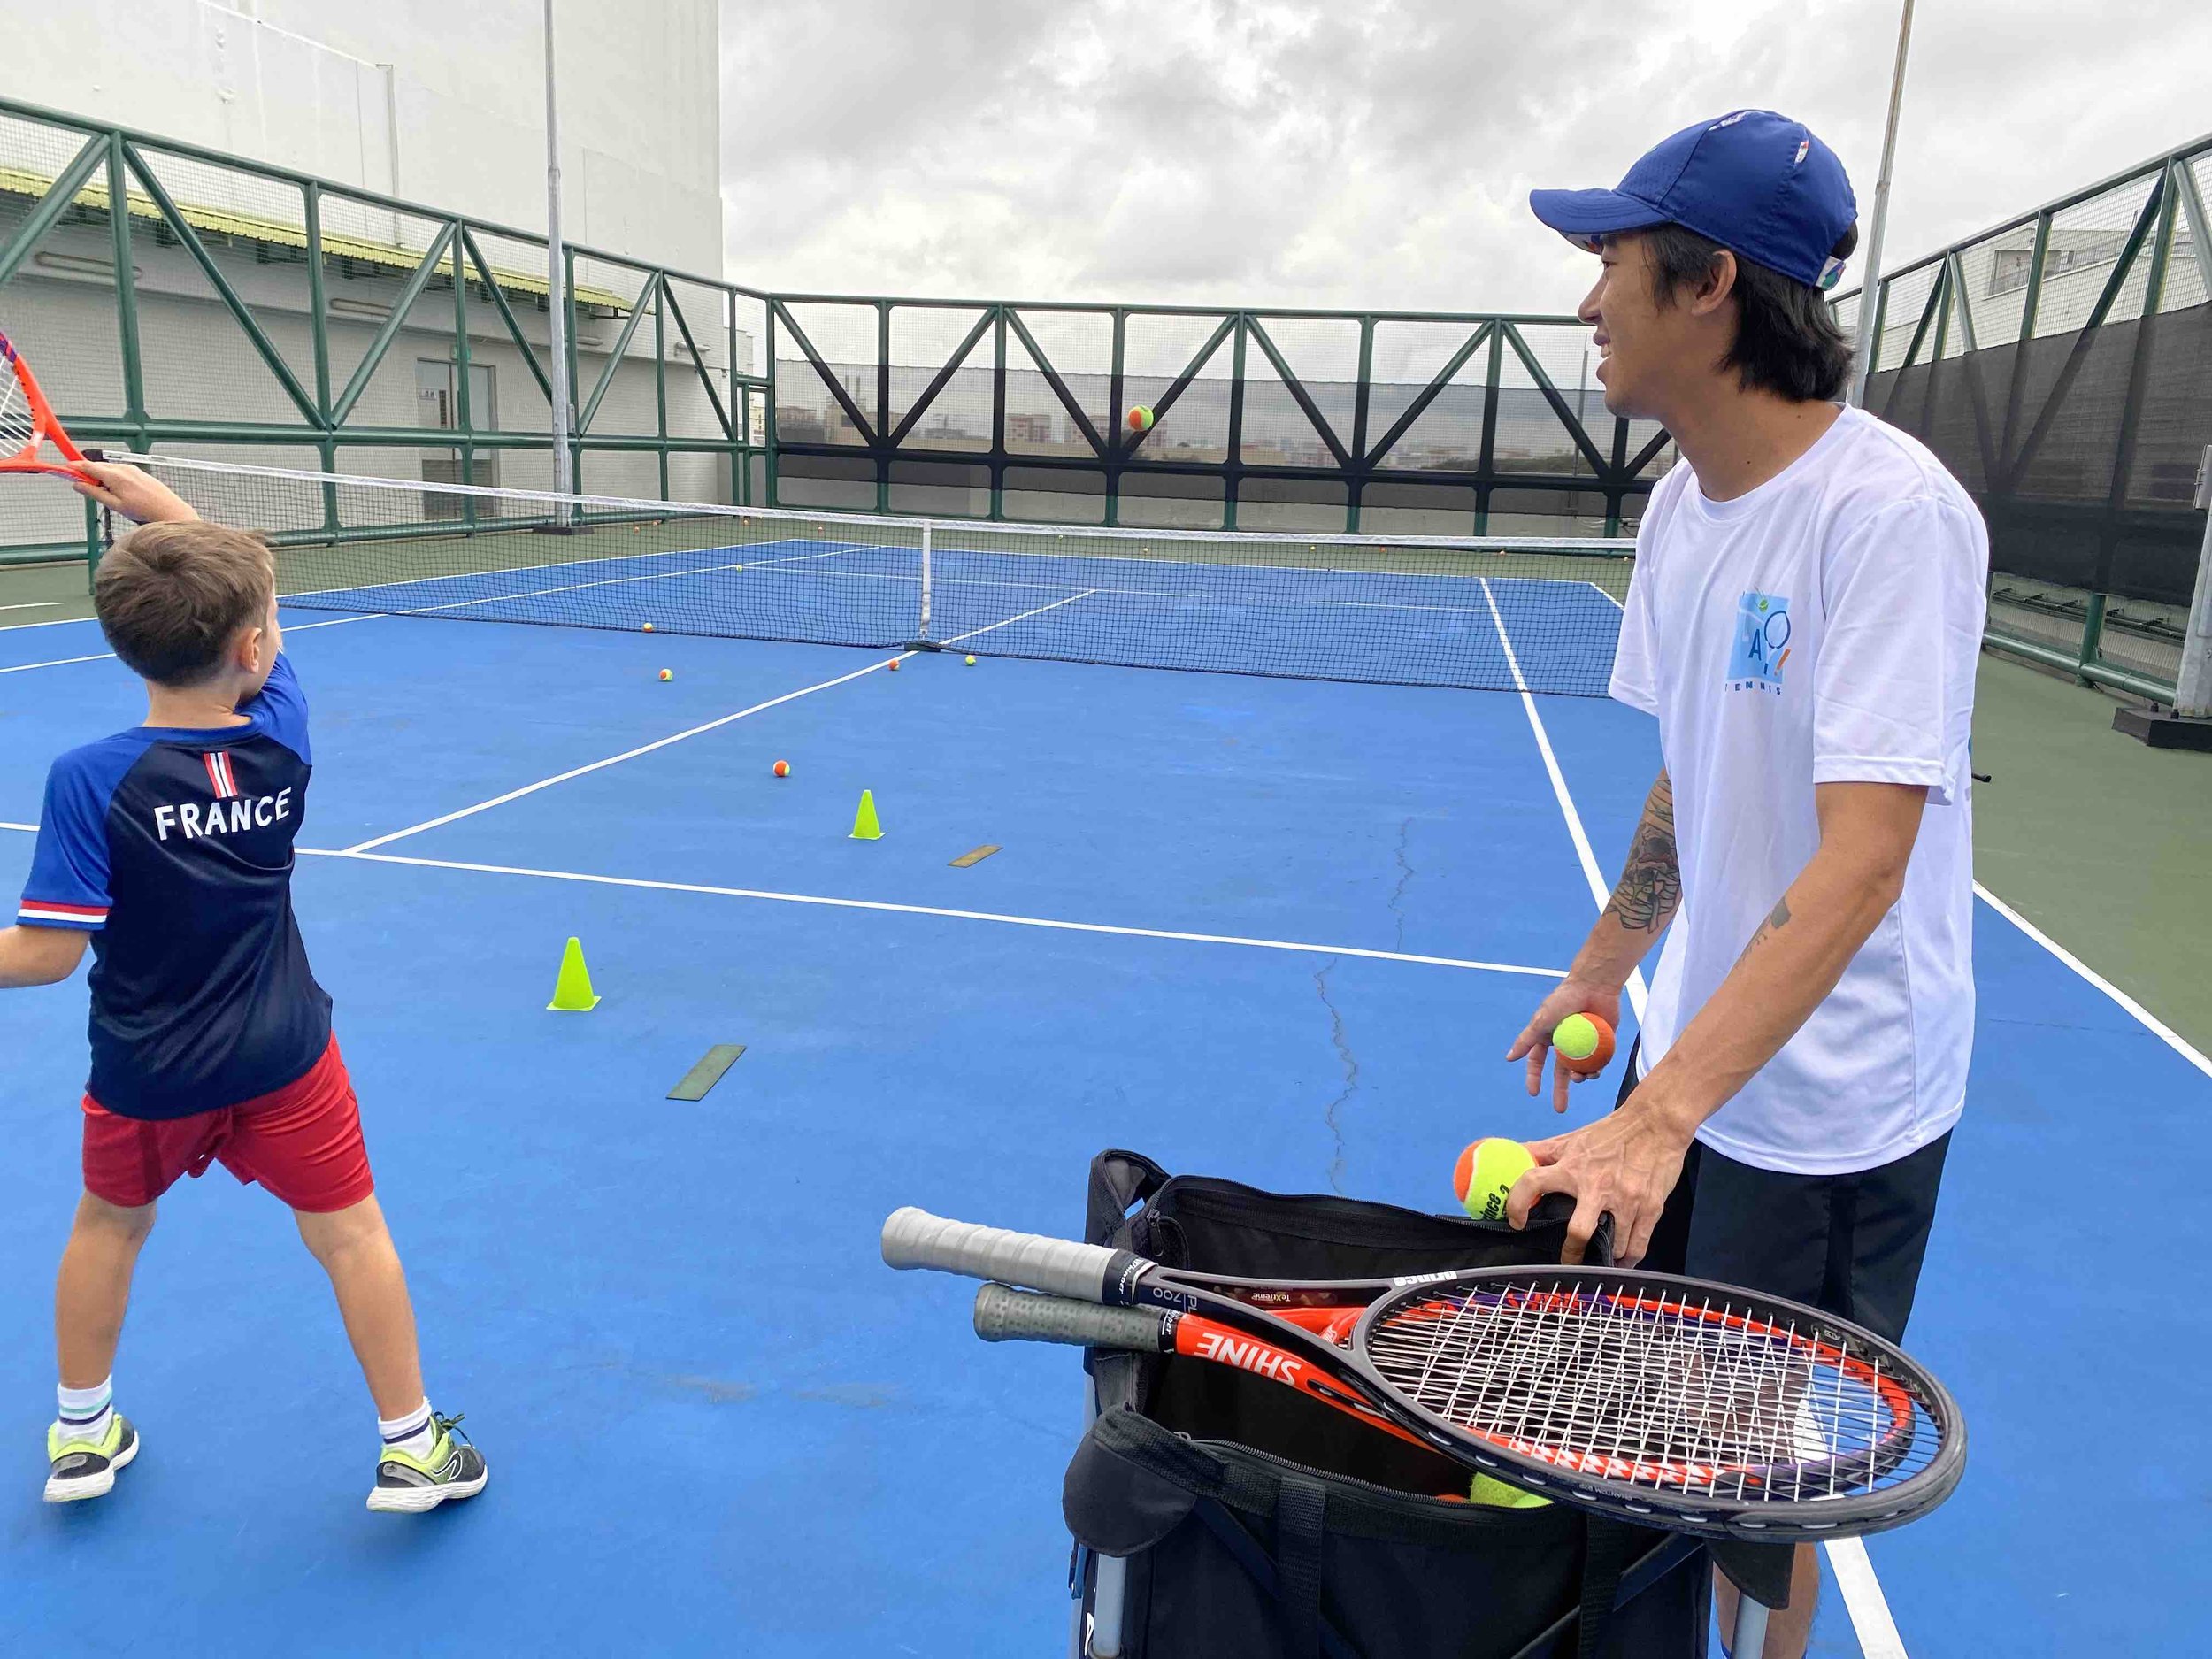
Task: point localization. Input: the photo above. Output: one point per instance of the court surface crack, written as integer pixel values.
(1405, 874)
(1351, 1076)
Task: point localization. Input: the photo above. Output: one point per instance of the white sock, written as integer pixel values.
(85, 1413)
(414, 1433)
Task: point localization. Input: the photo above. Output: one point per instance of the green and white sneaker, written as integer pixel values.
(85, 1468)
(409, 1484)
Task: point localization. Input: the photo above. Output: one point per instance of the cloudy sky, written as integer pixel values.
(1373, 152)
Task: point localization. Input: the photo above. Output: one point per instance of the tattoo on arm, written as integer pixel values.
(1777, 918)
(1650, 887)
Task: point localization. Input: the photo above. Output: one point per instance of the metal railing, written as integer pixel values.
(2056, 364)
(176, 297)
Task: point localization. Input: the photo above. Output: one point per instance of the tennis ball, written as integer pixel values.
(649, 627)
(1585, 1042)
(666, 675)
(971, 661)
(1495, 1492)
(893, 664)
(1485, 1173)
(1140, 418)
(782, 769)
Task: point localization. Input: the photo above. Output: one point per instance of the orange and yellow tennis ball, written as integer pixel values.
(782, 769)
(666, 675)
(893, 664)
(649, 627)
(971, 661)
(1585, 1042)
(1140, 418)
(1485, 1173)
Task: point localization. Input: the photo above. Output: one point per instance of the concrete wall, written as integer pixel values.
(440, 101)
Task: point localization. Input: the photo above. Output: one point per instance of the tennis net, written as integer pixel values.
(1502, 613)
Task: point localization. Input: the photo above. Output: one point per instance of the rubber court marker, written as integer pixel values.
(974, 858)
(708, 1072)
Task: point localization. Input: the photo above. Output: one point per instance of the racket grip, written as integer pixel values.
(914, 1238)
(1020, 1316)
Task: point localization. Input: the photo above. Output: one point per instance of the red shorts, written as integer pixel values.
(301, 1141)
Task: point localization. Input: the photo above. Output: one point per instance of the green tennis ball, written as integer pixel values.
(1585, 1041)
(1484, 1489)
(1485, 1173)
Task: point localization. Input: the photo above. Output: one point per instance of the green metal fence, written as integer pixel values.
(233, 310)
(174, 298)
(2060, 365)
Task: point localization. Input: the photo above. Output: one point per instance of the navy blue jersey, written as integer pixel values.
(174, 849)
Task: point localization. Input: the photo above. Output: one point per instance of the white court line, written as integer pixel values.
(613, 760)
(646, 748)
(558, 565)
(959, 638)
(1052, 923)
(1600, 890)
(36, 604)
(1863, 1600)
(2157, 1027)
(103, 657)
(44, 622)
(932, 910)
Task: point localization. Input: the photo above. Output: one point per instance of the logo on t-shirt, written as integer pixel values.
(1761, 644)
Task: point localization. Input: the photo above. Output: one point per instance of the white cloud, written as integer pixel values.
(1377, 154)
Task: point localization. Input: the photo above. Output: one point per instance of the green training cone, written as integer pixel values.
(572, 991)
(865, 825)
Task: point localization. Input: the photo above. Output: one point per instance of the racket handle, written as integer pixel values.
(1020, 1316)
(914, 1238)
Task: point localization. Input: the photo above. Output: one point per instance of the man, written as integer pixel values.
(1804, 622)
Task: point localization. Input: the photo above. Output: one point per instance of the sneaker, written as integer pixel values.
(409, 1484)
(86, 1469)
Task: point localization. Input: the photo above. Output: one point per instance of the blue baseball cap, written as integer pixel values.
(1759, 184)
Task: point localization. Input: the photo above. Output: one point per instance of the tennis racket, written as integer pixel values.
(1656, 1399)
(28, 425)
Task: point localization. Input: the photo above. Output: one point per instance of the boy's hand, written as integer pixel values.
(136, 494)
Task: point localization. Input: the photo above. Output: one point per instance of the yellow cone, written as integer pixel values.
(865, 825)
(572, 991)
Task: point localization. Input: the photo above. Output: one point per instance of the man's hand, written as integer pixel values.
(136, 494)
(1624, 1165)
(1571, 996)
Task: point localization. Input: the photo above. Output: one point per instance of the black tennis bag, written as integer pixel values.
(1220, 1516)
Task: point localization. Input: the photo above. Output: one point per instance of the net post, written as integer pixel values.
(923, 632)
(2192, 686)
(91, 542)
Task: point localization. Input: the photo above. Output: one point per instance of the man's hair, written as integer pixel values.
(171, 597)
(1788, 340)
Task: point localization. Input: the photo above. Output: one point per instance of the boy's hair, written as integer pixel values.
(171, 597)
(1788, 340)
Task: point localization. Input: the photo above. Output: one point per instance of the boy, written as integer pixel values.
(169, 847)
(1804, 621)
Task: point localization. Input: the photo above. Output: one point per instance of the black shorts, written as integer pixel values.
(1851, 1244)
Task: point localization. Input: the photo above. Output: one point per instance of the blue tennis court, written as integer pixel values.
(1276, 929)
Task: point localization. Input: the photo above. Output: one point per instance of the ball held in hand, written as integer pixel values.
(1585, 1042)
(1485, 1173)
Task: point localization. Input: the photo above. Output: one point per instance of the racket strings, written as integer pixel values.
(19, 426)
(1701, 1395)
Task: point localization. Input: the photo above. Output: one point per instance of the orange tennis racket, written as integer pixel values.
(28, 426)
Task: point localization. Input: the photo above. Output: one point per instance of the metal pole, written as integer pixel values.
(2192, 687)
(1869, 286)
(556, 273)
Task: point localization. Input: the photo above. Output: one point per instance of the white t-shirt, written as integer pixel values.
(1822, 629)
